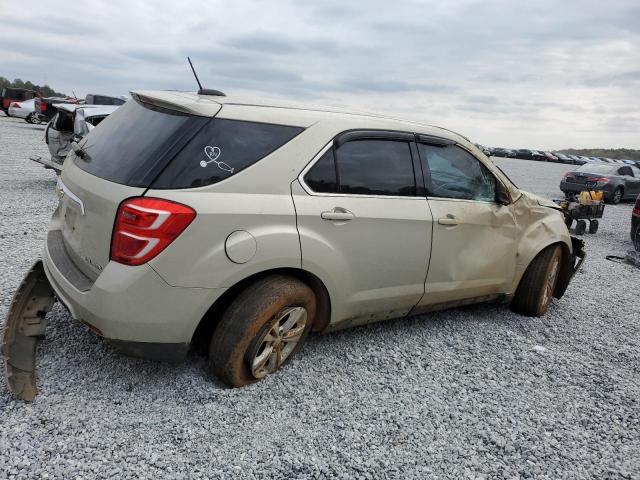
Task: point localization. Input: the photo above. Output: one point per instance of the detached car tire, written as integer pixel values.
(535, 291)
(261, 330)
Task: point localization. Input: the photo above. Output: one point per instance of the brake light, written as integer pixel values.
(145, 226)
(15, 105)
(43, 107)
(598, 179)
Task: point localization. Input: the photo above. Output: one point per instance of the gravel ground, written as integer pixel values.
(477, 392)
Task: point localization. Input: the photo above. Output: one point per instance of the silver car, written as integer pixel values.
(241, 225)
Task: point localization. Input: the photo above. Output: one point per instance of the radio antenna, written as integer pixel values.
(194, 73)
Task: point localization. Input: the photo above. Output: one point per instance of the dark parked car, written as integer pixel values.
(562, 158)
(635, 225)
(10, 94)
(93, 99)
(524, 153)
(618, 182)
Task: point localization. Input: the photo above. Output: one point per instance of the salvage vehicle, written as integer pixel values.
(618, 182)
(24, 109)
(44, 106)
(635, 225)
(11, 94)
(70, 123)
(197, 219)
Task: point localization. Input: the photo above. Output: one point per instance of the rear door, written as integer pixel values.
(365, 225)
(473, 250)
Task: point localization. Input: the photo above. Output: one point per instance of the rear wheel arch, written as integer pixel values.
(204, 331)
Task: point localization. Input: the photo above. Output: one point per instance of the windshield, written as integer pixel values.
(594, 168)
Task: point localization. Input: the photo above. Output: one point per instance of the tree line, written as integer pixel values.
(44, 90)
(615, 153)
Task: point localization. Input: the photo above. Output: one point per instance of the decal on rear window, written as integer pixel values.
(213, 153)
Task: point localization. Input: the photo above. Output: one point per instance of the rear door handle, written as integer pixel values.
(449, 220)
(338, 214)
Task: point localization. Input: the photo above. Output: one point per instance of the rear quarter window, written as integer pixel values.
(221, 149)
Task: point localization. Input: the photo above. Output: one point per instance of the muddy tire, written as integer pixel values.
(535, 291)
(261, 330)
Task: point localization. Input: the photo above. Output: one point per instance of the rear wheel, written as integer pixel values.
(538, 283)
(261, 330)
(593, 226)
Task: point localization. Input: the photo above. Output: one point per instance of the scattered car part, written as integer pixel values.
(25, 326)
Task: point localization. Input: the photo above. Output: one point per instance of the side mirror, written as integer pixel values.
(502, 194)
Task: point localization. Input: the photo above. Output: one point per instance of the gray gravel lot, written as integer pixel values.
(478, 392)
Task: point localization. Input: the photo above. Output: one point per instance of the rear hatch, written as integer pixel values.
(119, 159)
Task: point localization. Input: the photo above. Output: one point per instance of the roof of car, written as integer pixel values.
(95, 109)
(288, 112)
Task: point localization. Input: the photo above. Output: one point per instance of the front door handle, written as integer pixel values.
(449, 220)
(338, 214)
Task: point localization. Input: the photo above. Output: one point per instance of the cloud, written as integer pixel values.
(540, 74)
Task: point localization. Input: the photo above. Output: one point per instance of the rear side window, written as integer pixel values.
(455, 173)
(322, 176)
(365, 167)
(221, 149)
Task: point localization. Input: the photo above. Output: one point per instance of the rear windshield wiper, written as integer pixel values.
(80, 151)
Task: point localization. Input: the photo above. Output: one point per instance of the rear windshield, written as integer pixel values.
(595, 168)
(141, 146)
(135, 142)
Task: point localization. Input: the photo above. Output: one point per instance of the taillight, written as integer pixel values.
(144, 227)
(598, 179)
(43, 107)
(15, 105)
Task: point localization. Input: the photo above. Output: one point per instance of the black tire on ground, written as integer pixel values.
(581, 227)
(616, 196)
(593, 226)
(246, 321)
(29, 118)
(568, 222)
(534, 293)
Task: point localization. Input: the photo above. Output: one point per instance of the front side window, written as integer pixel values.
(365, 167)
(455, 173)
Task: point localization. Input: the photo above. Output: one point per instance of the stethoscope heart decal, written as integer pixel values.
(212, 154)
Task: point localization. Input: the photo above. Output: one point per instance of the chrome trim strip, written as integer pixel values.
(63, 188)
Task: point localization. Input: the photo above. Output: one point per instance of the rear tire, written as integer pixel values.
(254, 329)
(538, 283)
(593, 226)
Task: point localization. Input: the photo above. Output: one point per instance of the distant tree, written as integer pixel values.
(44, 90)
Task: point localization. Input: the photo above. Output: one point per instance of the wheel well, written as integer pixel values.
(203, 333)
(565, 268)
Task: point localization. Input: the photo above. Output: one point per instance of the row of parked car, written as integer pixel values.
(33, 108)
(527, 154)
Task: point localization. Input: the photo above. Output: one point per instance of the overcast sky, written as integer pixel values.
(537, 74)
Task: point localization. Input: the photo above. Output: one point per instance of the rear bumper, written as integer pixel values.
(578, 187)
(133, 306)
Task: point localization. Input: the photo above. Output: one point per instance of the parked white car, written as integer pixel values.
(24, 109)
(200, 219)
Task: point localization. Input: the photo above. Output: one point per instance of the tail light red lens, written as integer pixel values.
(144, 227)
(43, 107)
(15, 105)
(598, 179)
